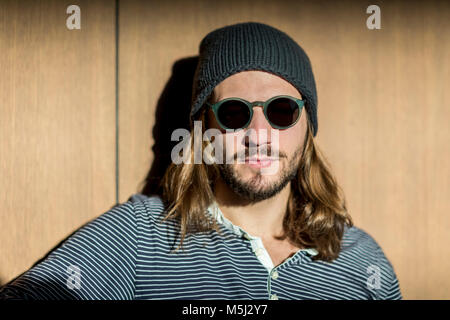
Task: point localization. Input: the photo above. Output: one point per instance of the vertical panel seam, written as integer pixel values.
(117, 98)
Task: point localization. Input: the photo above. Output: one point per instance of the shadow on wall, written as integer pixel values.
(172, 112)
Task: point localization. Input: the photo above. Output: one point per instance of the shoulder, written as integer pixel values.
(150, 211)
(361, 250)
(121, 223)
(356, 238)
(148, 207)
(359, 244)
(144, 202)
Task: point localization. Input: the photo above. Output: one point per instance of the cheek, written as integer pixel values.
(287, 143)
(230, 143)
(291, 139)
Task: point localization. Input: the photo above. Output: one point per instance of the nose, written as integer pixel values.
(262, 128)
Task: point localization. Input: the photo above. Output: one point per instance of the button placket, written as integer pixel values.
(258, 251)
(261, 253)
(275, 274)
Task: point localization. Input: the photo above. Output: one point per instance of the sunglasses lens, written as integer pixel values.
(283, 112)
(233, 114)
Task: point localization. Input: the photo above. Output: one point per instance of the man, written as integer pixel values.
(272, 226)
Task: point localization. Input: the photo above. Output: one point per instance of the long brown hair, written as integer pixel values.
(316, 212)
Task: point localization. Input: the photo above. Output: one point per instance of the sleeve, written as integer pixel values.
(389, 288)
(97, 262)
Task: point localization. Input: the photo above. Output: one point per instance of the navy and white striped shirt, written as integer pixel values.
(126, 253)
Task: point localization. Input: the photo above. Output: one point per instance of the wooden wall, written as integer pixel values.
(383, 113)
(57, 120)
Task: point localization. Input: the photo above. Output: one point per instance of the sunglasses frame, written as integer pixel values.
(215, 108)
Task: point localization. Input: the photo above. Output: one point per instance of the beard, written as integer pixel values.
(257, 188)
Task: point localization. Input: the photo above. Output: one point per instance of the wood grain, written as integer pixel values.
(57, 125)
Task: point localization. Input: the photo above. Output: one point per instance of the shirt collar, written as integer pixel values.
(215, 211)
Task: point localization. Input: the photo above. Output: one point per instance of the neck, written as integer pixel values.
(262, 219)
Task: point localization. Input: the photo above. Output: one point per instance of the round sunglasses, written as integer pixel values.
(281, 112)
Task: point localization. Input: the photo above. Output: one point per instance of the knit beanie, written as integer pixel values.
(252, 46)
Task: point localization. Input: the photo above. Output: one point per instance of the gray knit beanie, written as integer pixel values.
(252, 46)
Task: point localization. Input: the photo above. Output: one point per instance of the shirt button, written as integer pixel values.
(274, 297)
(275, 275)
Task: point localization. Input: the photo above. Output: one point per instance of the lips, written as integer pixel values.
(259, 162)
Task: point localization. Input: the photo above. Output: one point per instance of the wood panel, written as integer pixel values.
(383, 109)
(57, 125)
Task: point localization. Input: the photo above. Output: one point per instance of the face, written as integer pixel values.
(260, 177)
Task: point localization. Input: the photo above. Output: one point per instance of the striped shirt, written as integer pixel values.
(128, 253)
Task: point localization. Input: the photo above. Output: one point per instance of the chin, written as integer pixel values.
(256, 178)
(251, 183)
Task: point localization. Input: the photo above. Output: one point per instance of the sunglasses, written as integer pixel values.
(281, 112)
